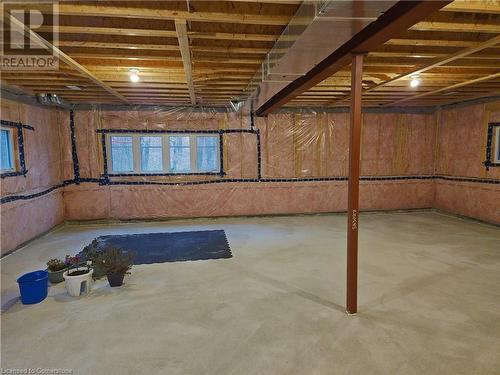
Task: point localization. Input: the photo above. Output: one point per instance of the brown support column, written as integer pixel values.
(353, 185)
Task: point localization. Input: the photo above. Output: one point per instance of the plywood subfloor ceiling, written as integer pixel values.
(187, 52)
(205, 53)
(454, 53)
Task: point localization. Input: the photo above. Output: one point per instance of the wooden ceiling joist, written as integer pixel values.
(423, 68)
(448, 88)
(474, 6)
(181, 27)
(163, 70)
(165, 14)
(160, 33)
(432, 42)
(466, 52)
(201, 59)
(458, 27)
(162, 47)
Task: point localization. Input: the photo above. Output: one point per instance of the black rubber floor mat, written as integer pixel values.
(171, 247)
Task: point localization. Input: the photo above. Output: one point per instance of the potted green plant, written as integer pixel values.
(116, 264)
(56, 268)
(91, 253)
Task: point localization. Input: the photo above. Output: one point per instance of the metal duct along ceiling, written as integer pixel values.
(315, 32)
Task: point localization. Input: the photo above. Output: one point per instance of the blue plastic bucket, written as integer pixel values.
(33, 287)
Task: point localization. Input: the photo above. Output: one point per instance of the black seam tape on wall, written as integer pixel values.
(16, 125)
(20, 145)
(74, 154)
(170, 131)
(489, 144)
(161, 174)
(251, 131)
(252, 123)
(259, 156)
(20, 148)
(12, 174)
(13, 198)
(104, 157)
(221, 153)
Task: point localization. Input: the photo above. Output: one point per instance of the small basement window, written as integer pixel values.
(493, 145)
(7, 150)
(138, 153)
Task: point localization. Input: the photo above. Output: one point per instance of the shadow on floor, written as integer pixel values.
(285, 287)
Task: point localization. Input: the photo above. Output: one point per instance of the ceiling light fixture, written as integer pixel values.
(134, 75)
(414, 82)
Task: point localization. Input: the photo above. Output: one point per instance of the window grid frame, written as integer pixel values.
(217, 151)
(161, 147)
(110, 155)
(136, 154)
(191, 142)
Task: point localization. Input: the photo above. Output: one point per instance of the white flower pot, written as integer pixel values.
(80, 284)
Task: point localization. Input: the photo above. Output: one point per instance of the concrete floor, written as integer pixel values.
(429, 302)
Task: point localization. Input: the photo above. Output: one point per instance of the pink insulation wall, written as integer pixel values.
(293, 146)
(304, 163)
(21, 220)
(462, 134)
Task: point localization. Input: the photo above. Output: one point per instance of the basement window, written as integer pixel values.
(7, 150)
(163, 154)
(493, 145)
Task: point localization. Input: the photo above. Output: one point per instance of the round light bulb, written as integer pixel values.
(134, 76)
(415, 82)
